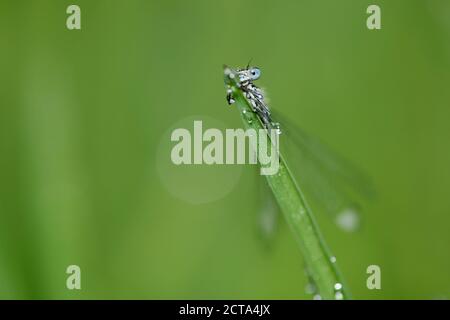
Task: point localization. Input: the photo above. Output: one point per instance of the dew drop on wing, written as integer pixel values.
(310, 288)
(348, 220)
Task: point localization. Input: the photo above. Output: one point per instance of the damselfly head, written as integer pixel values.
(249, 74)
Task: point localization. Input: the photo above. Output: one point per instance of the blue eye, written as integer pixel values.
(255, 73)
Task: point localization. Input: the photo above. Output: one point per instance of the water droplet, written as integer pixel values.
(247, 116)
(310, 288)
(276, 126)
(333, 259)
(317, 297)
(348, 220)
(339, 296)
(337, 286)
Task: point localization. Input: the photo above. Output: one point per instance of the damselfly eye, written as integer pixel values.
(255, 73)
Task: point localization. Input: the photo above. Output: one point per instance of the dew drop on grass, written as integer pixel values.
(247, 116)
(276, 125)
(317, 297)
(333, 259)
(339, 296)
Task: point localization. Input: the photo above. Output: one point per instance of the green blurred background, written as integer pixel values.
(85, 122)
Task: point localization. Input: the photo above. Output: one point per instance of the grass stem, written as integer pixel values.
(320, 263)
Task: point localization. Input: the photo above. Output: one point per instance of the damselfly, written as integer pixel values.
(254, 95)
(332, 183)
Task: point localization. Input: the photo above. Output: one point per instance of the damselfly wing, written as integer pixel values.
(331, 182)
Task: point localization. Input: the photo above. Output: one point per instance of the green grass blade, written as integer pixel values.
(321, 265)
